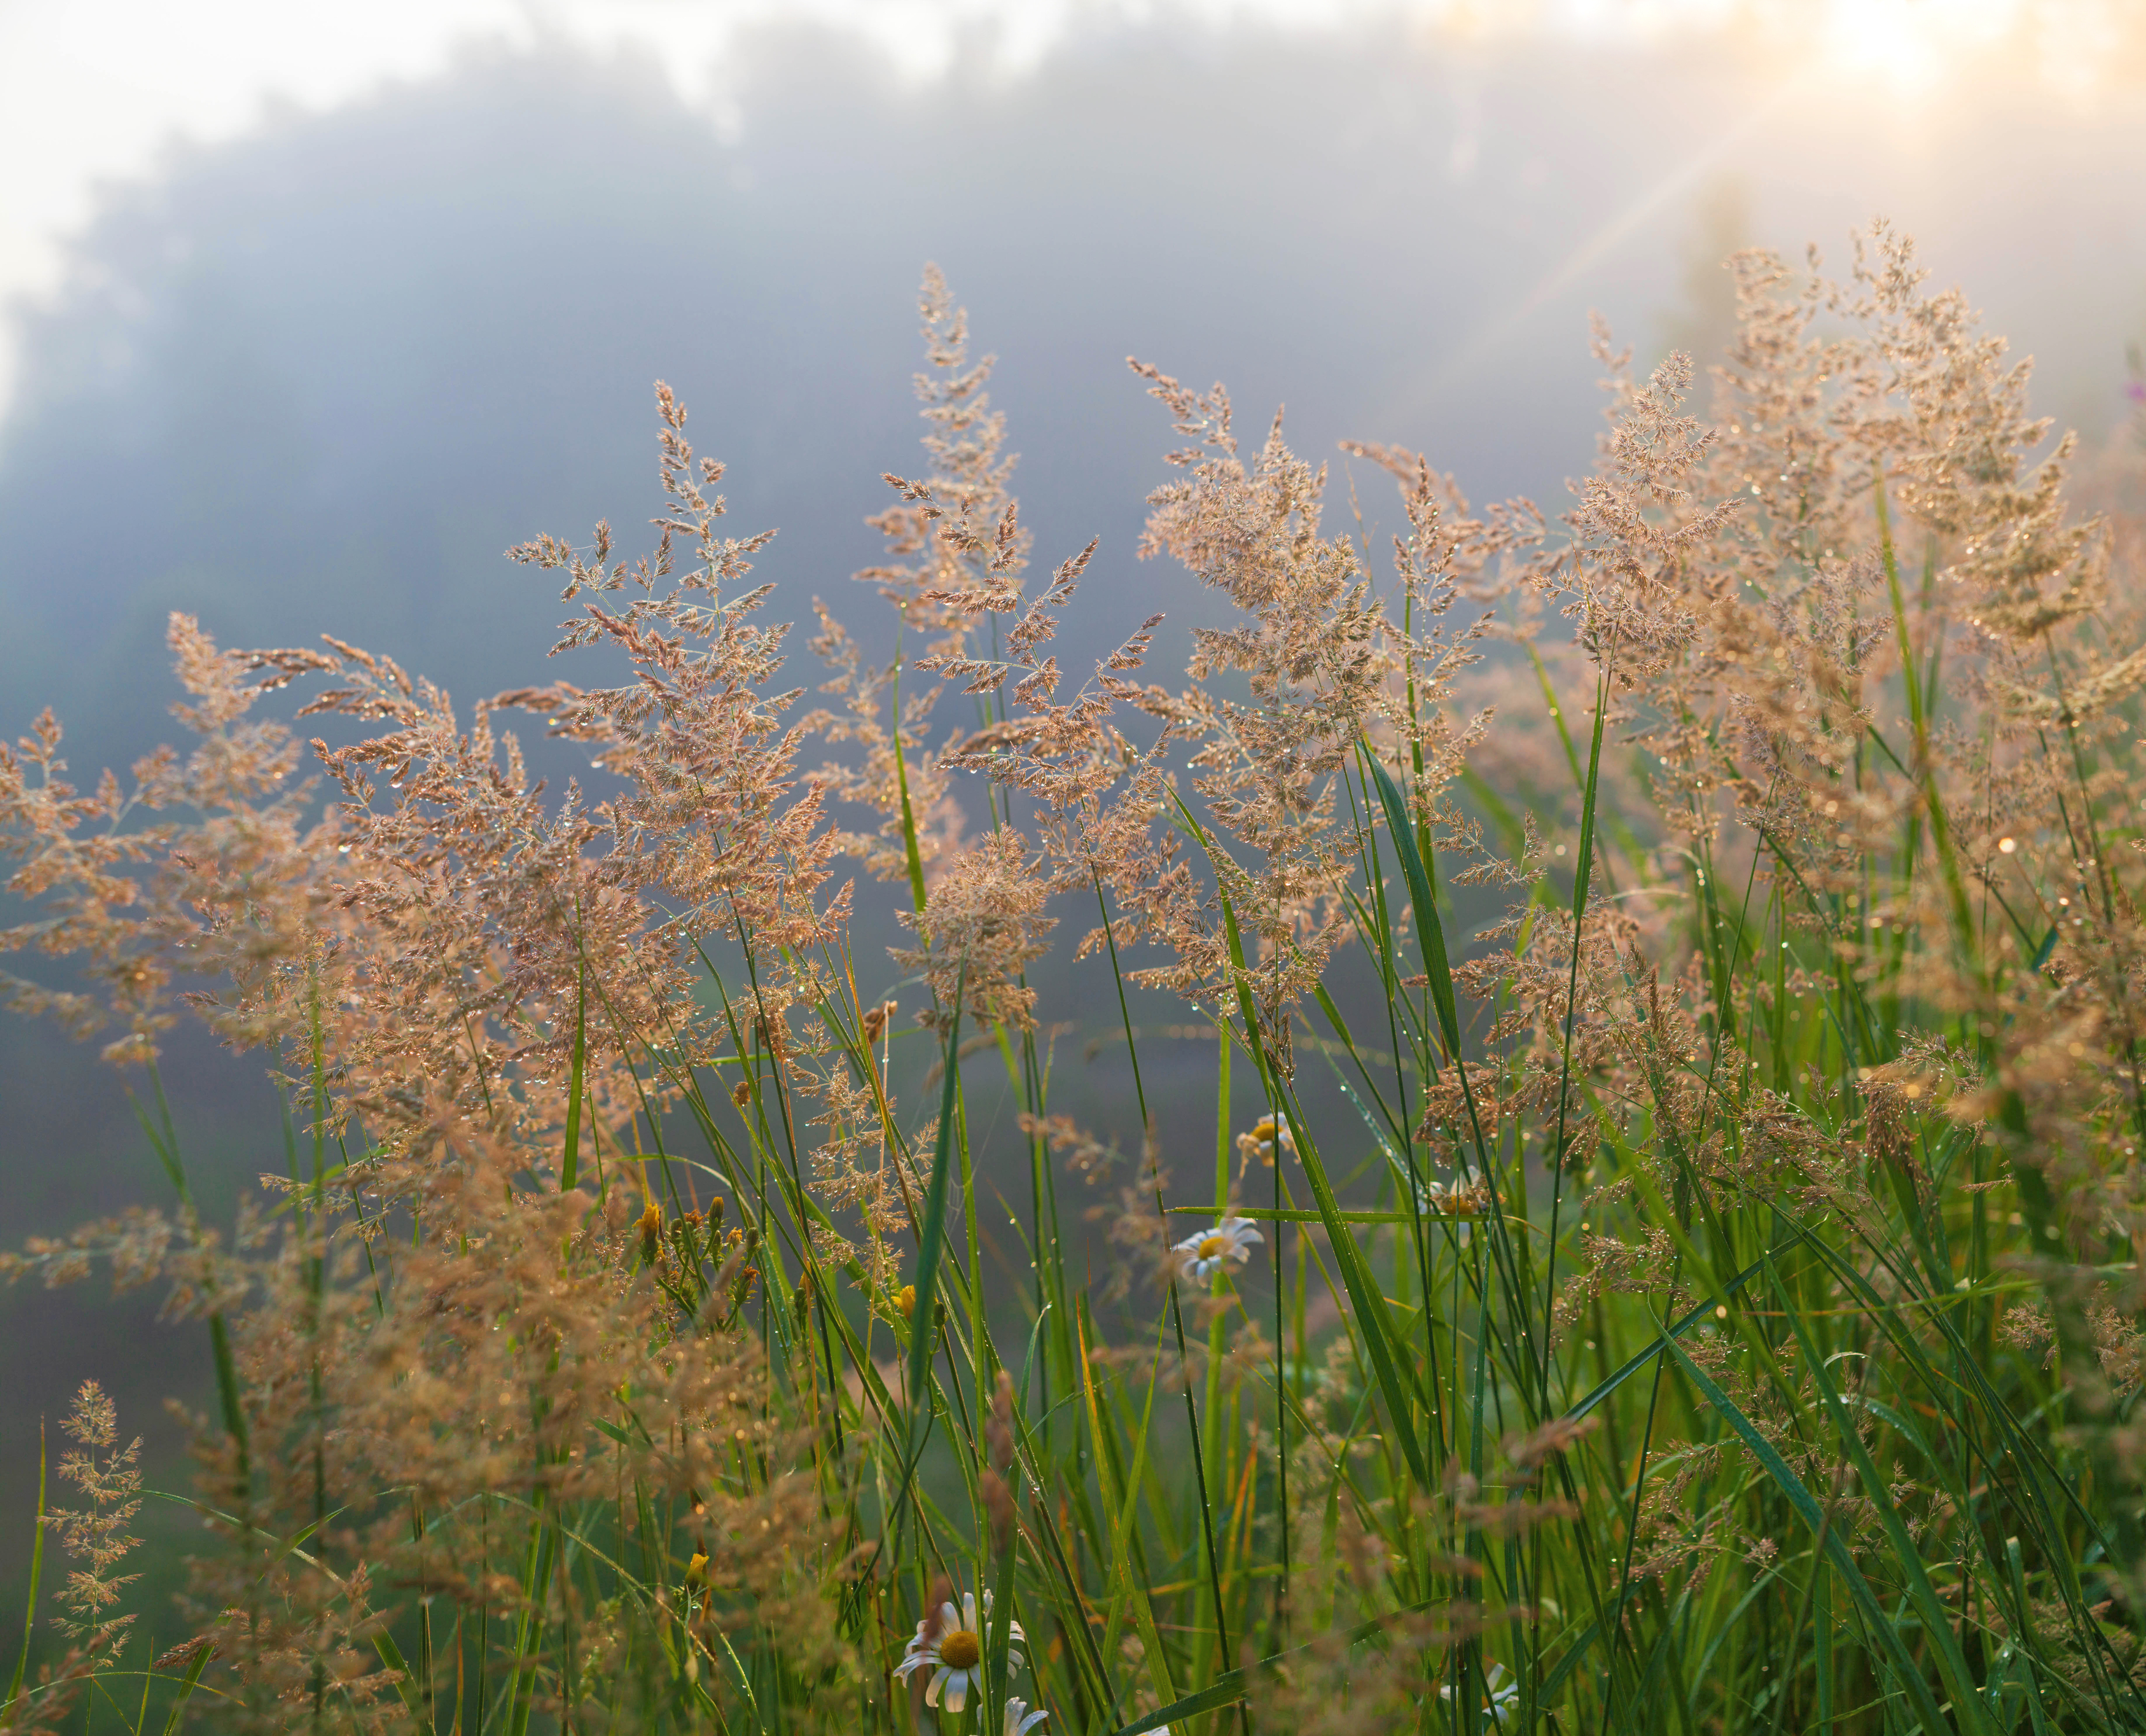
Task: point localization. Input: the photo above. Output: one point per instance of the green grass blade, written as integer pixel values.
(1936, 1621)
(1382, 1337)
(1879, 1624)
(1635, 1364)
(911, 855)
(932, 1240)
(188, 1682)
(37, 1572)
(1430, 932)
(383, 1643)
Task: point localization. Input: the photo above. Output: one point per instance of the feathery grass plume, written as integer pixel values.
(956, 551)
(984, 926)
(96, 1537)
(109, 1477)
(1688, 949)
(1323, 666)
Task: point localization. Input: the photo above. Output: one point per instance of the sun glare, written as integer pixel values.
(1915, 46)
(1909, 48)
(1910, 42)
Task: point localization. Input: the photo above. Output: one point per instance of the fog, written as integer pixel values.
(320, 378)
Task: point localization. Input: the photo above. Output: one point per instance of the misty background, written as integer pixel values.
(317, 374)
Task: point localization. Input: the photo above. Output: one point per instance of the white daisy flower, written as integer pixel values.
(1020, 1720)
(1504, 1693)
(953, 1649)
(1268, 1133)
(1458, 1199)
(1201, 1257)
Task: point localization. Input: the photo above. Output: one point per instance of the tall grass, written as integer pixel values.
(1700, 1296)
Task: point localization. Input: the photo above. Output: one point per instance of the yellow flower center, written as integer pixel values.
(1212, 1245)
(960, 1649)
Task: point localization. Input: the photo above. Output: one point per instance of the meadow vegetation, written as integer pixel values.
(1704, 1297)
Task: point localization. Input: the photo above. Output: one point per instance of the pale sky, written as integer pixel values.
(93, 91)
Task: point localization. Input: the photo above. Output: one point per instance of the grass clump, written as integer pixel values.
(1677, 1270)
